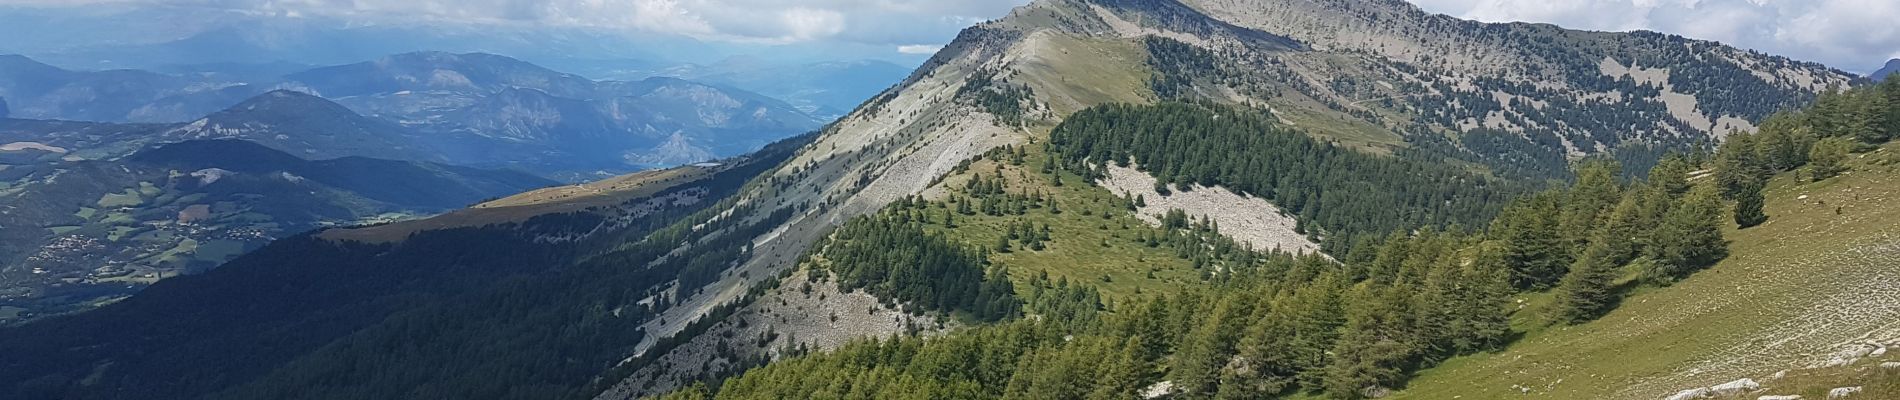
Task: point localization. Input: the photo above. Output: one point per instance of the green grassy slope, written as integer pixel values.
(1093, 235)
(1823, 272)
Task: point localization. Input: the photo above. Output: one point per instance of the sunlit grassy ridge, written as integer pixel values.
(1094, 234)
(1820, 273)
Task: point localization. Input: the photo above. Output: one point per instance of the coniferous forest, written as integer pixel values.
(1348, 195)
(1067, 199)
(890, 256)
(1274, 324)
(1286, 324)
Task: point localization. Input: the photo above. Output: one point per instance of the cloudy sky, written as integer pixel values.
(1855, 35)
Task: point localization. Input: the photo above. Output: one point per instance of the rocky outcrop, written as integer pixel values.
(1735, 387)
(1690, 394)
(1842, 392)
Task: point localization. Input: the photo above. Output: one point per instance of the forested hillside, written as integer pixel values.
(1811, 252)
(1340, 195)
(1492, 203)
(1271, 324)
(1368, 122)
(1286, 326)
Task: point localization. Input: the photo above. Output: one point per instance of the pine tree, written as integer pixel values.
(1869, 121)
(1625, 230)
(1828, 158)
(1689, 238)
(1196, 367)
(1585, 204)
(1483, 322)
(1373, 351)
(1736, 163)
(1890, 89)
(1586, 292)
(1533, 245)
(1748, 204)
(698, 391)
(1671, 175)
(1123, 377)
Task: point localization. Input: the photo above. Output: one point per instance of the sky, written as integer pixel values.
(1854, 35)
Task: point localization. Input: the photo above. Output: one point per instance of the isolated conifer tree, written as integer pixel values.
(1748, 204)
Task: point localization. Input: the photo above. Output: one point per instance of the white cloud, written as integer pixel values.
(919, 48)
(665, 16)
(803, 24)
(1855, 35)
(881, 22)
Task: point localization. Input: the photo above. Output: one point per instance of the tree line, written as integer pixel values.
(890, 255)
(1277, 324)
(1813, 142)
(1270, 324)
(1347, 195)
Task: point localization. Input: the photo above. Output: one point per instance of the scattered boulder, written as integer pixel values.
(1779, 374)
(1842, 392)
(1690, 394)
(1850, 355)
(1890, 364)
(1158, 390)
(1878, 351)
(1780, 397)
(1735, 387)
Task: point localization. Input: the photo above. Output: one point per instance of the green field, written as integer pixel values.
(1087, 248)
(130, 198)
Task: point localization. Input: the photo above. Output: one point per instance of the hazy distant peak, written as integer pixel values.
(1893, 67)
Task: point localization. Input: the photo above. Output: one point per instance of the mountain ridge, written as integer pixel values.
(301, 123)
(1892, 67)
(1069, 55)
(82, 230)
(948, 157)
